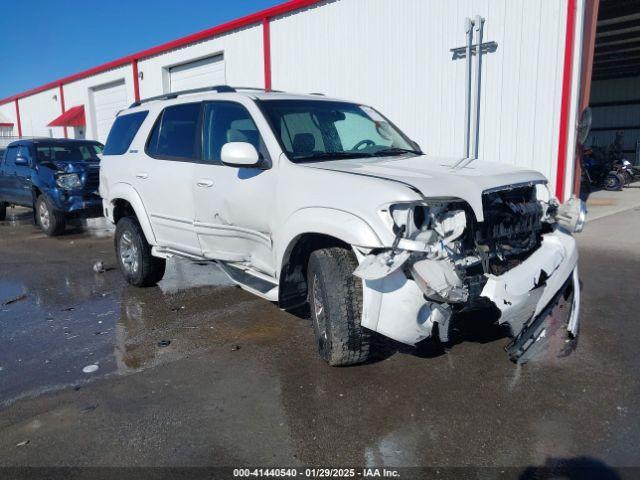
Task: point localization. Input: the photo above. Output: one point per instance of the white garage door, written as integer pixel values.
(206, 72)
(108, 100)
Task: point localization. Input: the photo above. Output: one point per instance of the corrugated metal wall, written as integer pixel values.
(396, 56)
(242, 51)
(392, 54)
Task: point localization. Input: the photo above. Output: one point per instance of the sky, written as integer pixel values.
(45, 40)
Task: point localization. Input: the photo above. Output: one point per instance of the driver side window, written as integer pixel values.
(226, 122)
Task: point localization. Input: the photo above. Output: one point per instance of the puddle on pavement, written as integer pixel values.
(57, 316)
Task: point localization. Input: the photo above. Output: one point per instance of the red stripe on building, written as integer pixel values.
(18, 119)
(266, 45)
(62, 107)
(565, 108)
(136, 80)
(254, 18)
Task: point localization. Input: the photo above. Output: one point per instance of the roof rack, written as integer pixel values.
(169, 96)
(258, 89)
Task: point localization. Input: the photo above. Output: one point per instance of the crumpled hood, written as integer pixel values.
(435, 177)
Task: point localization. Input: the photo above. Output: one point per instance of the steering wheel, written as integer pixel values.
(366, 143)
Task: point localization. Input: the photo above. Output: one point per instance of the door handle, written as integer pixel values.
(142, 175)
(204, 183)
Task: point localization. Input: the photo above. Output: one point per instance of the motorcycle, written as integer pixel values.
(598, 169)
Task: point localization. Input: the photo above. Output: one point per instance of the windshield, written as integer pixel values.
(69, 153)
(315, 130)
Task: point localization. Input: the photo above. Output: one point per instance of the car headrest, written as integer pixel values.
(304, 143)
(234, 135)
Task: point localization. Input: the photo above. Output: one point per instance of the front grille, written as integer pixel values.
(92, 179)
(512, 227)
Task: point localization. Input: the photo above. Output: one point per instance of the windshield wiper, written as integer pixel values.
(330, 156)
(395, 151)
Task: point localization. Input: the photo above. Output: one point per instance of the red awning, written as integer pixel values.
(6, 124)
(74, 117)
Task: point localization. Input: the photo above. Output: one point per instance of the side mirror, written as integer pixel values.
(584, 125)
(21, 161)
(240, 154)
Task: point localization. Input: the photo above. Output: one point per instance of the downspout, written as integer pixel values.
(468, 28)
(478, 25)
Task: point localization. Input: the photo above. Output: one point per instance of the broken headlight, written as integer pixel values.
(68, 181)
(410, 215)
(443, 216)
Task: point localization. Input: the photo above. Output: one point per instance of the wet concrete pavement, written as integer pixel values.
(240, 383)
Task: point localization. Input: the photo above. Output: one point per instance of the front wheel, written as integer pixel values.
(50, 220)
(139, 267)
(335, 298)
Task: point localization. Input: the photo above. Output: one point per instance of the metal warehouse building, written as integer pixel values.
(408, 58)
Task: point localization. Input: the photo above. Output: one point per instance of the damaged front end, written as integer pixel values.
(520, 258)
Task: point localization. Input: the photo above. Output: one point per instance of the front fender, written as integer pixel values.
(339, 224)
(125, 191)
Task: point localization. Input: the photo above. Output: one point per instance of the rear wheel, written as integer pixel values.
(3, 211)
(50, 220)
(133, 252)
(614, 181)
(335, 298)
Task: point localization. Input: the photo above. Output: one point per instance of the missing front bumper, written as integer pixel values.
(554, 331)
(526, 297)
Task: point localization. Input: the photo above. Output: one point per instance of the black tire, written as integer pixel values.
(3, 211)
(50, 220)
(335, 299)
(133, 252)
(613, 181)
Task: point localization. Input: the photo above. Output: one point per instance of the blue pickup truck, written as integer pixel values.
(57, 178)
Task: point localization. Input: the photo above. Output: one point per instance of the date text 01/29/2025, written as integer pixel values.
(315, 473)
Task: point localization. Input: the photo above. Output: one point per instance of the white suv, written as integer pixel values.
(302, 198)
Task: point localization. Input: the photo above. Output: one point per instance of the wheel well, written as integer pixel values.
(36, 192)
(293, 275)
(122, 208)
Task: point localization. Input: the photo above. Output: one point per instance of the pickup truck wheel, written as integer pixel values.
(3, 211)
(335, 298)
(50, 220)
(139, 267)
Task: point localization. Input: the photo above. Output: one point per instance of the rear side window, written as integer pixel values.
(174, 135)
(122, 132)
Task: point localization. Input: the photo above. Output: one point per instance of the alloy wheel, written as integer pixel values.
(129, 253)
(43, 213)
